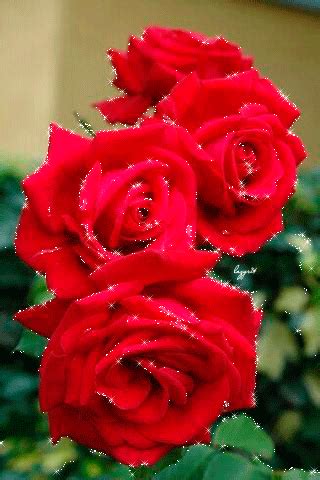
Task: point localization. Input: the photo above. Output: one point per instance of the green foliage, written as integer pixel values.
(31, 344)
(85, 125)
(277, 346)
(190, 466)
(287, 284)
(228, 466)
(286, 281)
(38, 292)
(242, 432)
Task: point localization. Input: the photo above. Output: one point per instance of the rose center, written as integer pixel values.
(246, 160)
(143, 213)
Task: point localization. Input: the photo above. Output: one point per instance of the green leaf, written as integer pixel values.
(85, 125)
(241, 432)
(191, 465)
(228, 466)
(31, 344)
(172, 457)
(276, 346)
(116, 471)
(142, 473)
(19, 385)
(38, 291)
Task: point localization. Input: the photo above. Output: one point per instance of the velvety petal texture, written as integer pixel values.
(159, 59)
(145, 349)
(94, 199)
(245, 157)
(144, 366)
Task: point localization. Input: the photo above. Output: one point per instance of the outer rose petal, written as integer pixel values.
(50, 188)
(42, 319)
(298, 149)
(135, 457)
(181, 105)
(220, 300)
(66, 275)
(114, 149)
(125, 75)
(41, 241)
(204, 99)
(238, 243)
(125, 109)
(224, 303)
(67, 422)
(32, 238)
(151, 267)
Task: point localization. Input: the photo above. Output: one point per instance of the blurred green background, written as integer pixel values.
(53, 59)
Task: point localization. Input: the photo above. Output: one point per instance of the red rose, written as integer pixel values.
(118, 193)
(245, 158)
(150, 362)
(155, 62)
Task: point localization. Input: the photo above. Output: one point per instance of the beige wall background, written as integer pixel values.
(53, 61)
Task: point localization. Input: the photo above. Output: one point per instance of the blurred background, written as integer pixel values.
(53, 63)
(53, 57)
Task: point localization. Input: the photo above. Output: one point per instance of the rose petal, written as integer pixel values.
(126, 109)
(44, 318)
(150, 267)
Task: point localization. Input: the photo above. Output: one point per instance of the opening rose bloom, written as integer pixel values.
(155, 62)
(148, 363)
(245, 157)
(117, 193)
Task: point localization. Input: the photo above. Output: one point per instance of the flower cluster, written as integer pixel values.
(145, 349)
